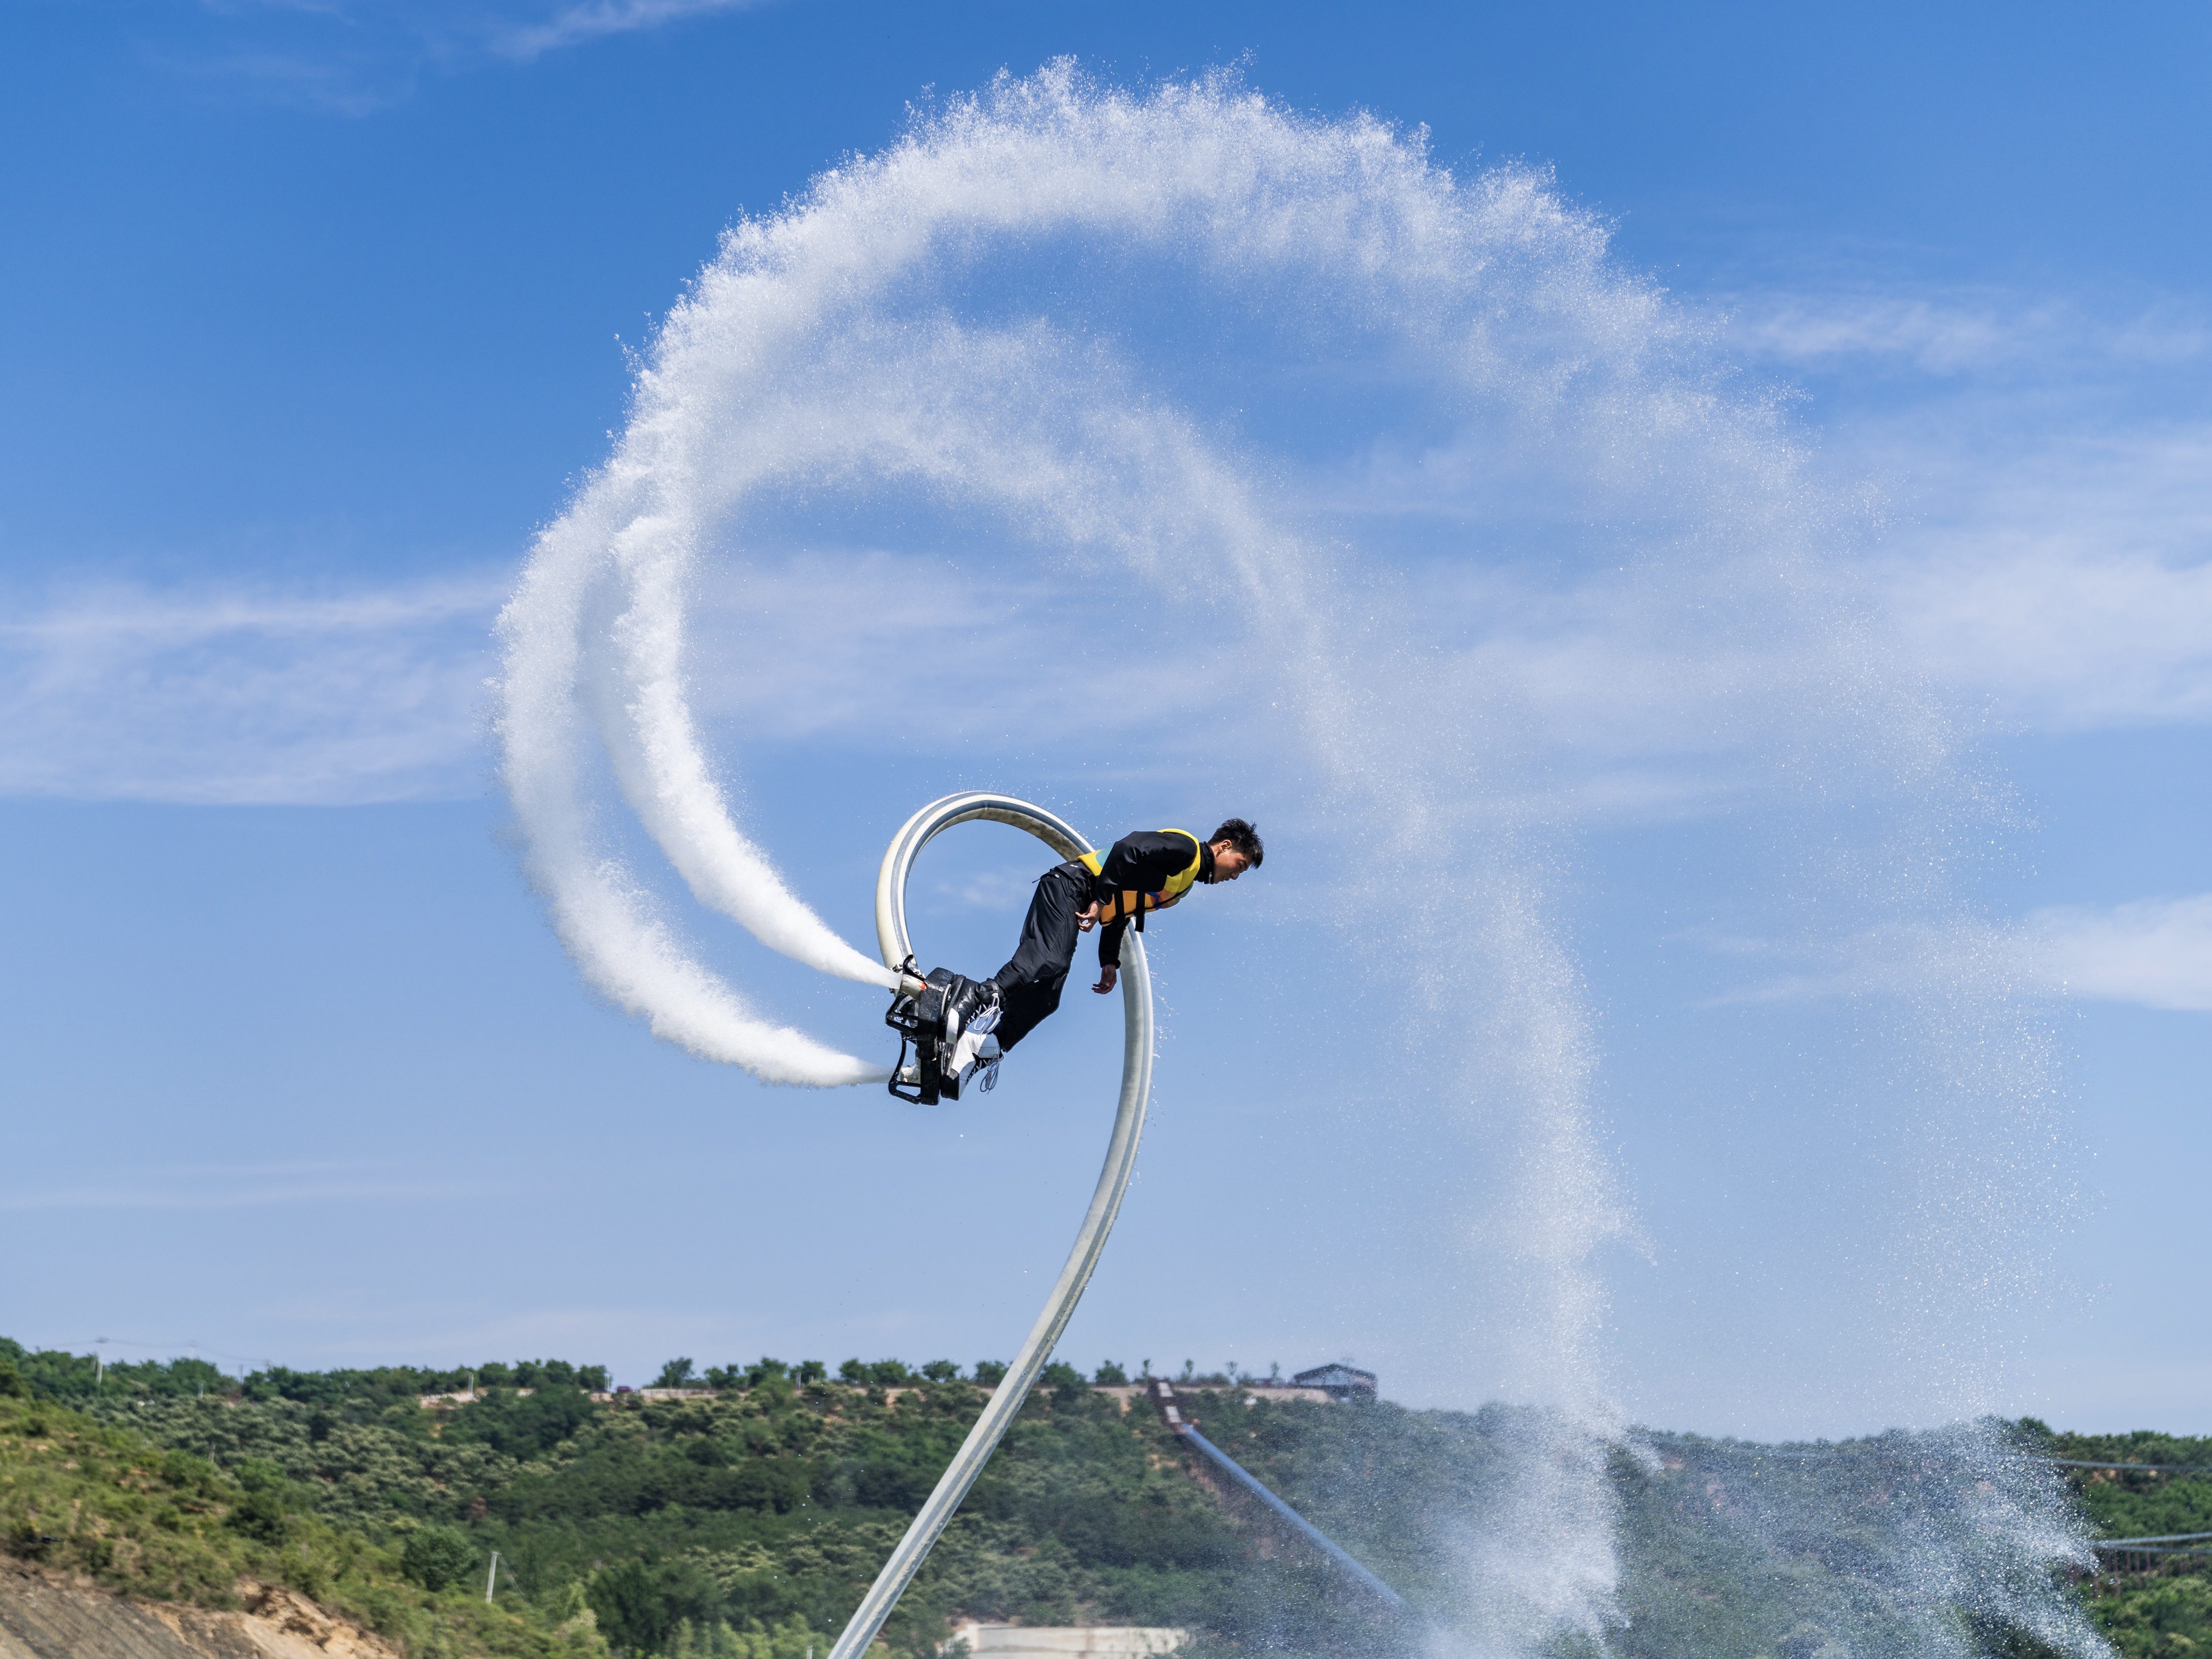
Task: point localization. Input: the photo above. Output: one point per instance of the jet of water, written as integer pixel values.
(1015, 324)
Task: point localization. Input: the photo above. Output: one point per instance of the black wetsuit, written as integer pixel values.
(1031, 983)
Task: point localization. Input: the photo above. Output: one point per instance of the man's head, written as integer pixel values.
(1235, 849)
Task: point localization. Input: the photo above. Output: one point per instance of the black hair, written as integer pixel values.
(1242, 836)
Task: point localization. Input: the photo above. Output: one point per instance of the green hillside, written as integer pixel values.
(103, 1502)
(747, 1526)
(2165, 1612)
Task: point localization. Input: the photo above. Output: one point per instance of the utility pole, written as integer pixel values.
(99, 1363)
(199, 1383)
(492, 1577)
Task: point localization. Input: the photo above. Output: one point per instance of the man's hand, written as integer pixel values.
(1106, 975)
(1087, 917)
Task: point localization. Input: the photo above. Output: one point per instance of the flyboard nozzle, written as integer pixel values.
(917, 1014)
(936, 1012)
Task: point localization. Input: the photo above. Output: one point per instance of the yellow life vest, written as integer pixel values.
(1125, 905)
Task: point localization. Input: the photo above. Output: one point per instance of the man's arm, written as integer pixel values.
(1109, 956)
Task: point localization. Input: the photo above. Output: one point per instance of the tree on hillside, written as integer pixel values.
(435, 1557)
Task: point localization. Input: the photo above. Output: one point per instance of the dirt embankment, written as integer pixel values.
(50, 1615)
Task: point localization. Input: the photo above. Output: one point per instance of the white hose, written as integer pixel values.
(1105, 1202)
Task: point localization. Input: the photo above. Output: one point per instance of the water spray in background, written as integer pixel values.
(1382, 446)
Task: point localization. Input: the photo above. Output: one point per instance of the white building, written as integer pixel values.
(1067, 1641)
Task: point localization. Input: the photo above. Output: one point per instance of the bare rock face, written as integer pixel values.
(50, 1615)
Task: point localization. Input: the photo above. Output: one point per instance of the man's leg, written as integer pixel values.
(1030, 982)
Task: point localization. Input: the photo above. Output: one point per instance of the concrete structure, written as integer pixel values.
(1185, 1429)
(1066, 1641)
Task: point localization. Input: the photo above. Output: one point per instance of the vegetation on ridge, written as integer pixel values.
(2159, 1607)
(746, 1525)
(99, 1500)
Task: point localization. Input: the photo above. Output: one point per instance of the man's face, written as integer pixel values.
(1228, 862)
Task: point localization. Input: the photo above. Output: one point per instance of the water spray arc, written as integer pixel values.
(1105, 1201)
(1474, 540)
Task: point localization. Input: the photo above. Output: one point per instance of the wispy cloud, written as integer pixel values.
(2065, 638)
(125, 692)
(991, 890)
(355, 57)
(2153, 953)
(1937, 336)
(217, 1187)
(2066, 575)
(1947, 332)
(337, 83)
(573, 25)
(2044, 471)
(837, 644)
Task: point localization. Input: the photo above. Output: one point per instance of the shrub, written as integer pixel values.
(259, 1513)
(435, 1556)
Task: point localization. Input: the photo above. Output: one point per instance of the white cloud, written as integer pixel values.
(263, 696)
(871, 647)
(1937, 336)
(574, 24)
(2071, 579)
(2042, 492)
(1947, 332)
(993, 890)
(199, 1187)
(356, 57)
(2067, 641)
(123, 692)
(2154, 952)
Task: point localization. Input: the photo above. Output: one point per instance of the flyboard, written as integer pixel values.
(974, 1452)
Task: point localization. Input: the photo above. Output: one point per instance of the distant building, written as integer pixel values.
(1338, 1382)
(1066, 1641)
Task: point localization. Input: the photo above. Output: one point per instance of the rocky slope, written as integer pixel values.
(45, 1614)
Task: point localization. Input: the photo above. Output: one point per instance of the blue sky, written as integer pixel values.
(317, 313)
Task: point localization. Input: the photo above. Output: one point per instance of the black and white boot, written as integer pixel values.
(974, 1059)
(970, 1005)
(971, 1015)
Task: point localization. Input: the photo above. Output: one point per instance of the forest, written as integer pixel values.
(746, 1522)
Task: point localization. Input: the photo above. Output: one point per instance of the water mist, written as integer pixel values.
(1461, 522)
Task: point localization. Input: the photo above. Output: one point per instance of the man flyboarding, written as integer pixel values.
(961, 1028)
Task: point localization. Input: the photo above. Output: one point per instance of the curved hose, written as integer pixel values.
(1105, 1202)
